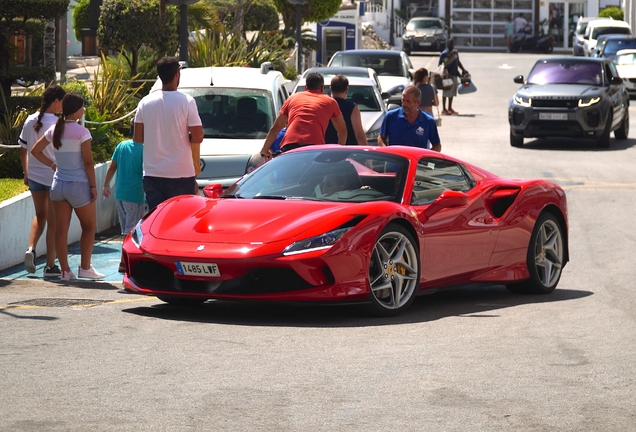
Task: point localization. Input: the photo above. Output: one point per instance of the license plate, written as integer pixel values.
(553, 116)
(426, 43)
(198, 269)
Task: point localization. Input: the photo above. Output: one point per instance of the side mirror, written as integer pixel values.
(518, 79)
(448, 199)
(213, 190)
(385, 95)
(616, 80)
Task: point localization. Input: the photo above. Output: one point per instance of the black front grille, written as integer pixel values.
(152, 275)
(555, 103)
(539, 128)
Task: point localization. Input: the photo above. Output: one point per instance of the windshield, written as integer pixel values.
(610, 30)
(424, 24)
(326, 175)
(614, 46)
(382, 65)
(626, 59)
(363, 96)
(233, 113)
(566, 72)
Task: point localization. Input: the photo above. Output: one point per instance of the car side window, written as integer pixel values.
(612, 68)
(434, 176)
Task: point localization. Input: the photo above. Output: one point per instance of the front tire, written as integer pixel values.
(545, 259)
(622, 132)
(604, 139)
(394, 271)
(516, 140)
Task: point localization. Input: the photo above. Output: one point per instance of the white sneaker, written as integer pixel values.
(91, 273)
(67, 276)
(29, 260)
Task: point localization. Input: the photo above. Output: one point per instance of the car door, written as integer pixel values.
(614, 92)
(458, 241)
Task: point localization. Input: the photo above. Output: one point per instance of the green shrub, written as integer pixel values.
(81, 17)
(10, 165)
(261, 16)
(613, 12)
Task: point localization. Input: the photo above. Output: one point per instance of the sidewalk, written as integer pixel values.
(105, 259)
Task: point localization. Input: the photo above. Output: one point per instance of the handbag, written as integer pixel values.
(467, 87)
(441, 80)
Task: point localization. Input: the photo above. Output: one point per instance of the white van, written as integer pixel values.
(600, 27)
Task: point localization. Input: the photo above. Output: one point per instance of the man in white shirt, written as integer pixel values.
(520, 23)
(167, 123)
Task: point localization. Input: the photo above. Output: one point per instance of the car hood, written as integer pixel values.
(424, 32)
(369, 118)
(626, 71)
(245, 221)
(388, 82)
(559, 90)
(221, 146)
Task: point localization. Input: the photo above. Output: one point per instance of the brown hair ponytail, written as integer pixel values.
(71, 103)
(51, 94)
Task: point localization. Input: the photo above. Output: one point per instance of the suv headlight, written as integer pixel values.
(523, 101)
(588, 101)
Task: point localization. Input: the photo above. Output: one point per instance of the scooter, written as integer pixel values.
(524, 41)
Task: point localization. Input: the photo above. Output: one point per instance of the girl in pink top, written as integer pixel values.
(73, 186)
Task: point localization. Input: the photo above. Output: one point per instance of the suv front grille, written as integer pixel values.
(555, 103)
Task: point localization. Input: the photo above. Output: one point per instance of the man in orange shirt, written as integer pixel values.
(307, 115)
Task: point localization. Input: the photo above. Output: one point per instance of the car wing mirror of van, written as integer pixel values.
(518, 79)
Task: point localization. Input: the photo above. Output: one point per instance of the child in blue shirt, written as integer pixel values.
(130, 200)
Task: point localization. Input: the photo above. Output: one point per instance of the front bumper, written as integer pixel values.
(424, 43)
(534, 122)
(257, 274)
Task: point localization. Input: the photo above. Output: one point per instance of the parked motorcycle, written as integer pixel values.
(525, 41)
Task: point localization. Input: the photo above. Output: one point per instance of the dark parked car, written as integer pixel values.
(570, 97)
(425, 34)
(611, 44)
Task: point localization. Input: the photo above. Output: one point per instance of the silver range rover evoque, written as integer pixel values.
(577, 97)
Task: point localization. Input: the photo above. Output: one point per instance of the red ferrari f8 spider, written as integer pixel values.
(351, 223)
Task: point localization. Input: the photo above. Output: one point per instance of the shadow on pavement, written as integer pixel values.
(482, 302)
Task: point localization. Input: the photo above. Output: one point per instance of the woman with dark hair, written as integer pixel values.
(39, 178)
(73, 185)
(429, 93)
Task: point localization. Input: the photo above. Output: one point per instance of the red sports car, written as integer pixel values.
(351, 223)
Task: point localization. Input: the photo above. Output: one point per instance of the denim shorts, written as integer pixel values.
(38, 187)
(78, 194)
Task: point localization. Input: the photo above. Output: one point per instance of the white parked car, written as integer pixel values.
(365, 93)
(626, 66)
(600, 27)
(237, 107)
(394, 68)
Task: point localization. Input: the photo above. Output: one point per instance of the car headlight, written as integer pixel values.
(588, 101)
(373, 135)
(137, 234)
(323, 241)
(255, 161)
(523, 101)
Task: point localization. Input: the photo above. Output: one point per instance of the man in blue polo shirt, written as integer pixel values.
(409, 125)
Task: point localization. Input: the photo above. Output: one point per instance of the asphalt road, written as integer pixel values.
(87, 356)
